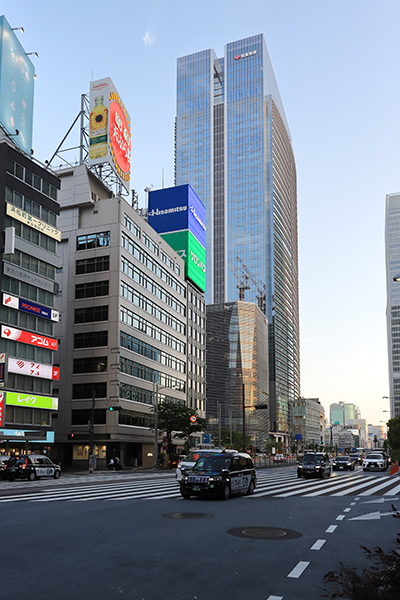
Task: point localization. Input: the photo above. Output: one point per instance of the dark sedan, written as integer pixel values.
(343, 463)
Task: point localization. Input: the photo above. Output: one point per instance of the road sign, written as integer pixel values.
(193, 418)
(298, 436)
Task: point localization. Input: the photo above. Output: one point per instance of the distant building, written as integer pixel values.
(307, 420)
(237, 370)
(341, 412)
(392, 245)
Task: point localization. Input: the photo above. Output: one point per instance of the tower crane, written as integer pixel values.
(259, 285)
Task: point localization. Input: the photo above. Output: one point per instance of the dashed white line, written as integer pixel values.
(298, 570)
(275, 598)
(340, 517)
(331, 529)
(347, 510)
(318, 545)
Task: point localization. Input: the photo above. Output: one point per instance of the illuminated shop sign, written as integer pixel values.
(1, 408)
(194, 255)
(24, 217)
(109, 130)
(31, 400)
(34, 339)
(31, 307)
(27, 367)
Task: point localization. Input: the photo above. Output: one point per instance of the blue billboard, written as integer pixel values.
(178, 209)
(16, 87)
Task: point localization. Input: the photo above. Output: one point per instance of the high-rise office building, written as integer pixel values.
(392, 244)
(233, 146)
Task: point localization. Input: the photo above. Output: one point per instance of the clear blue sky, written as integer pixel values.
(337, 67)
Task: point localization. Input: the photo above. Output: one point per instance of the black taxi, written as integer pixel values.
(219, 474)
(30, 467)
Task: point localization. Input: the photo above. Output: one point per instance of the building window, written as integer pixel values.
(92, 265)
(33, 180)
(91, 290)
(90, 364)
(31, 207)
(91, 339)
(83, 416)
(32, 264)
(29, 292)
(93, 240)
(83, 391)
(91, 314)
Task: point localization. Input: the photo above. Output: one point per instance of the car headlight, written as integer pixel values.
(215, 478)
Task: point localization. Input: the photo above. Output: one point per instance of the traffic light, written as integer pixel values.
(71, 435)
(113, 408)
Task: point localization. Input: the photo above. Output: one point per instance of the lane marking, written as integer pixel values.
(353, 503)
(376, 488)
(340, 517)
(318, 545)
(298, 570)
(331, 529)
(357, 487)
(275, 598)
(347, 510)
(393, 492)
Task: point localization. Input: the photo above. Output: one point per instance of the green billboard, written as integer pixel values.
(192, 252)
(31, 401)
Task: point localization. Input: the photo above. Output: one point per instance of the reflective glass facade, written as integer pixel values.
(237, 354)
(392, 236)
(233, 147)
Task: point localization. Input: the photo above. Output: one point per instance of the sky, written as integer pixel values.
(336, 63)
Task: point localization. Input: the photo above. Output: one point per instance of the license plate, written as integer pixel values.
(340, 467)
(196, 488)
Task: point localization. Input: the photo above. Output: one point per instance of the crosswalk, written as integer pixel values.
(276, 484)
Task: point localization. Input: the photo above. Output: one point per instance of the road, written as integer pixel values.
(101, 537)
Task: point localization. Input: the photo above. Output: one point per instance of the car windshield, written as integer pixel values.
(342, 459)
(374, 456)
(215, 462)
(192, 457)
(308, 460)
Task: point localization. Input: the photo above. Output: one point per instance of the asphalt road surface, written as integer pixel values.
(74, 539)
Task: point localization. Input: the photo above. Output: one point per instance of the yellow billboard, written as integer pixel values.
(109, 130)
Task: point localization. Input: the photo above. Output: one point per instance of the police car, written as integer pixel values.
(30, 467)
(219, 474)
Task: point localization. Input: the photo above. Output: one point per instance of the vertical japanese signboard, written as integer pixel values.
(109, 130)
(1, 408)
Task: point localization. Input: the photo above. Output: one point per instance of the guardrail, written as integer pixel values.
(265, 462)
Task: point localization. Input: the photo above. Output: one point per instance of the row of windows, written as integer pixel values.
(81, 416)
(31, 207)
(27, 416)
(24, 290)
(31, 235)
(135, 229)
(92, 265)
(27, 352)
(31, 179)
(151, 308)
(24, 383)
(23, 320)
(135, 419)
(130, 367)
(90, 364)
(131, 392)
(149, 284)
(91, 290)
(93, 240)
(90, 339)
(30, 263)
(83, 391)
(91, 314)
(129, 318)
(131, 343)
(135, 250)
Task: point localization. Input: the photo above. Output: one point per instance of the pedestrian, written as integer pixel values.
(118, 465)
(111, 465)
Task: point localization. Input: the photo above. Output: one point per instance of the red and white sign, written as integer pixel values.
(28, 338)
(26, 367)
(1, 408)
(193, 418)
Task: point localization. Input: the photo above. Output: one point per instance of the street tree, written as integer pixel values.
(394, 433)
(237, 439)
(175, 417)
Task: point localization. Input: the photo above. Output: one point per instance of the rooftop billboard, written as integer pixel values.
(16, 87)
(194, 255)
(109, 130)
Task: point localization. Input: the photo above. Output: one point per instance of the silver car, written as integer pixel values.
(375, 462)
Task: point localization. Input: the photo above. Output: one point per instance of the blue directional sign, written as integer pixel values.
(298, 436)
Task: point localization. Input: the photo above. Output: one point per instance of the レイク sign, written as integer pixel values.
(28, 338)
(26, 367)
(33, 401)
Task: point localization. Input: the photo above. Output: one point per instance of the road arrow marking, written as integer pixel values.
(374, 516)
(380, 501)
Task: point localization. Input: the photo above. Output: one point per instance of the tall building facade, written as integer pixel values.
(341, 412)
(29, 377)
(233, 146)
(392, 246)
(237, 370)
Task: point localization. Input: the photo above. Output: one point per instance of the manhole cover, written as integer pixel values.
(265, 533)
(185, 515)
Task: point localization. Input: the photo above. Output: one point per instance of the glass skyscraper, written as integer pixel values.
(392, 243)
(233, 146)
